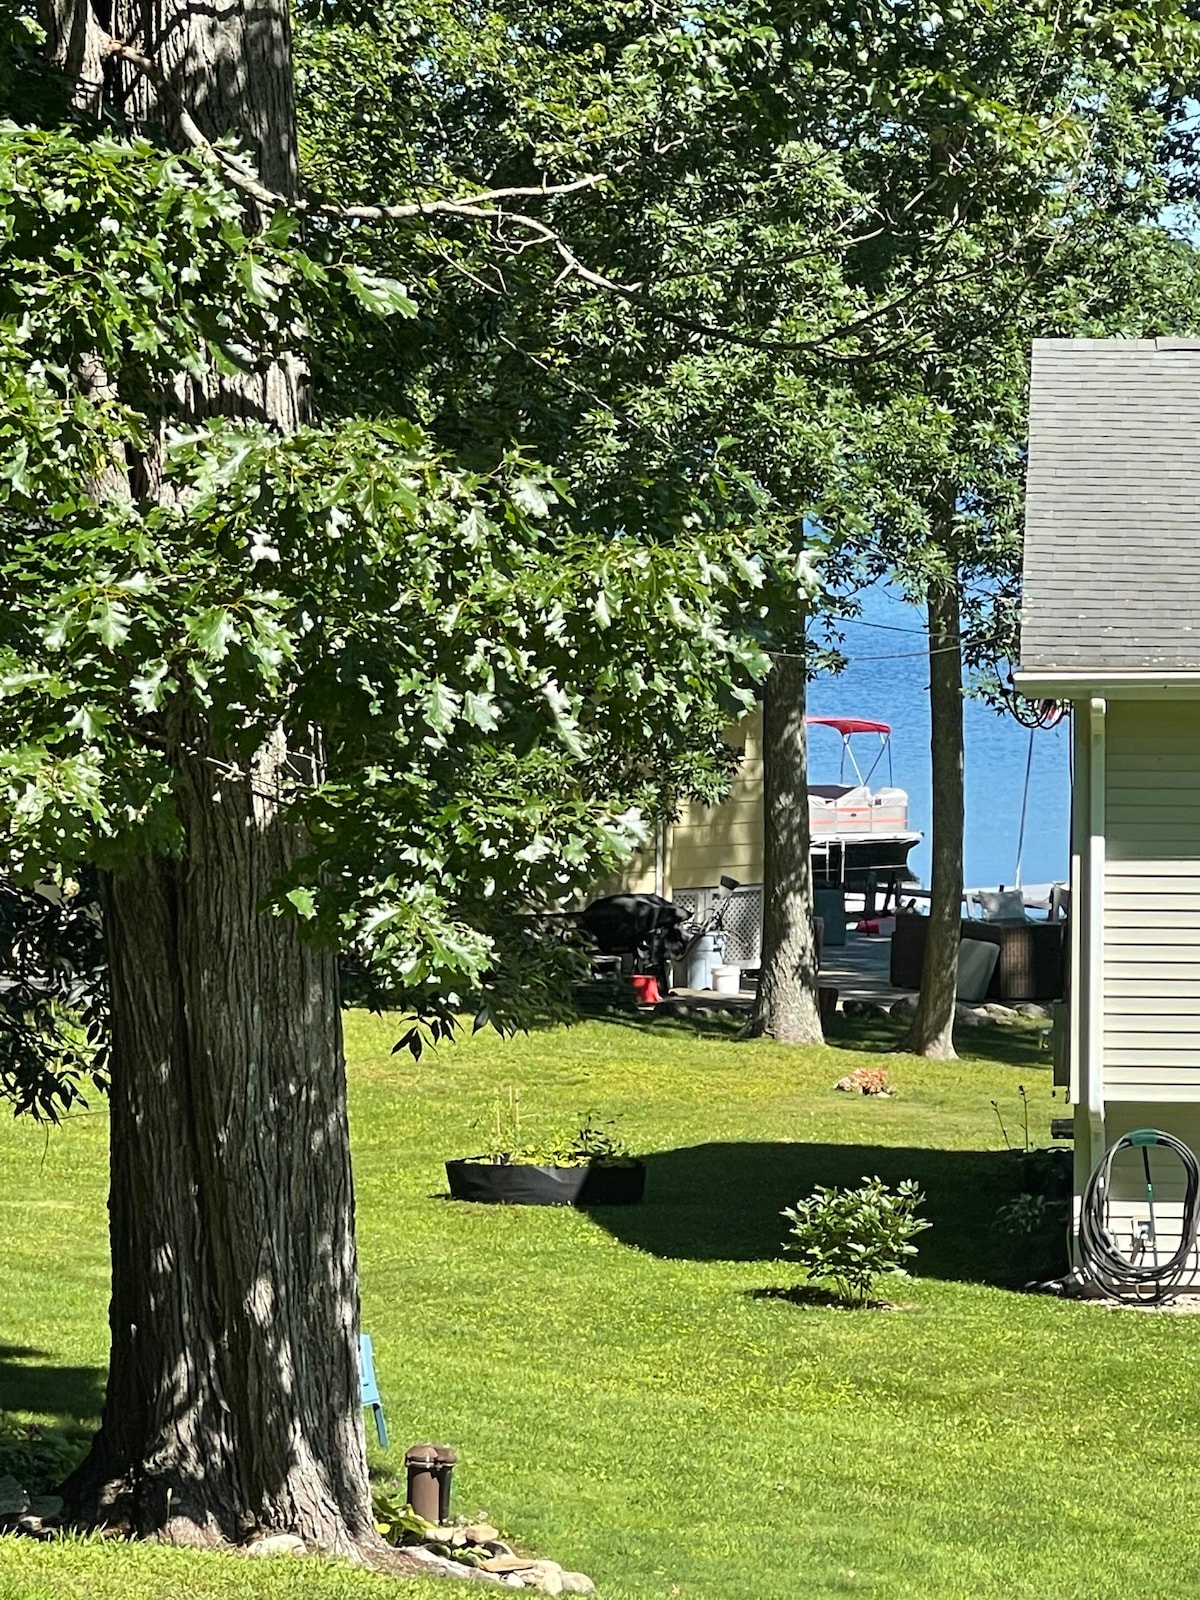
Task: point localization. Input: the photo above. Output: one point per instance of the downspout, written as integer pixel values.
(660, 857)
(1092, 1064)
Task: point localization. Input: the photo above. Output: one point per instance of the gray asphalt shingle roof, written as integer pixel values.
(1112, 517)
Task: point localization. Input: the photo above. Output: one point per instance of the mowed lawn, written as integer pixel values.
(624, 1398)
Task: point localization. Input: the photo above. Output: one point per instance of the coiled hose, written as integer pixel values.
(1102, 1259)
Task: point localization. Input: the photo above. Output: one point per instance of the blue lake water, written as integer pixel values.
(888, 679)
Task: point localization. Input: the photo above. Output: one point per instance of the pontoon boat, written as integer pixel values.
(856, 830)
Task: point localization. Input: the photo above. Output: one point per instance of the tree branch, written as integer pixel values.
(468, 206)
(485, 207)
(242, 178)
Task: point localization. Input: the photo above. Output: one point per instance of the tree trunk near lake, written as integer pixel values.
(931, 1032)
(233, 1402)
(786, 1006)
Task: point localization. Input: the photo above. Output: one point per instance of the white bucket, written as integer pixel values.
(727, 980)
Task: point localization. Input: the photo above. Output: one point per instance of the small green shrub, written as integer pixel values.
(850, 1238)
(1032, 1230)
(1023, 1216)
(400, 1525)
(37, 1458)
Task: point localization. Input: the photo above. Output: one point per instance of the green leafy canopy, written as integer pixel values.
(489, 673)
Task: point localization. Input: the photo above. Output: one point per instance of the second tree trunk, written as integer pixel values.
(932, 1030)
(787, 1006)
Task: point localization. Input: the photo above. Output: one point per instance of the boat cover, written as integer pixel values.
(849, 724)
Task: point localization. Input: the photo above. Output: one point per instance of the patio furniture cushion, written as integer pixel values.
(1001, 905)
(1030, 965)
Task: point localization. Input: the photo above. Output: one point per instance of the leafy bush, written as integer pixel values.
(399, 1524)
(38, 1459)
(851, 1238)
(1033, 1232)
(1023, 1216)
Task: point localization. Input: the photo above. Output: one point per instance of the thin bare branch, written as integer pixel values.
(242, 178)
(468, 206)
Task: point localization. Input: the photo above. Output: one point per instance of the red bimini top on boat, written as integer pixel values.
(849, 724)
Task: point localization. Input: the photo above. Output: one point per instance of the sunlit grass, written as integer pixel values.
(620, 1397)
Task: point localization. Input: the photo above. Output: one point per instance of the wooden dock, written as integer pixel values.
(858, 970)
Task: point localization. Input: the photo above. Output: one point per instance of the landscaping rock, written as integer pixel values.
(672, 1008)
(1030, 1008)
(443, 1567)
(481, 1533)
(30, 1527)
(277, 1544)
(46, 1506)
(970, 1016)
(577, 1583)
(506, 1564)
(904, 1008)
(545, 1577)
(865, 1008)
(1000, 1013)
(14, 1502)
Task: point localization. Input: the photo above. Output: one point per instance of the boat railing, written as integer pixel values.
(834, 810)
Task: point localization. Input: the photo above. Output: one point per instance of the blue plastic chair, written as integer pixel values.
(370, 1387)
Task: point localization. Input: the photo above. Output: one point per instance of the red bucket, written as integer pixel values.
(645, 988)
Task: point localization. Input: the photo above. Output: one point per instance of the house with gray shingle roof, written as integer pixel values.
(1111, 623)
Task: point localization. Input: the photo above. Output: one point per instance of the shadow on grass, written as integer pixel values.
(722, 1201)
(70, 1395)
(711, 1022)
(810, 1297)
(1006, 1046)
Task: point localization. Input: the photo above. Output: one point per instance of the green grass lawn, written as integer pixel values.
(623, 1397)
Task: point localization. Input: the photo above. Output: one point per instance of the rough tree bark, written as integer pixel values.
(232, 1403)
(787, 1006)
(931, 1032)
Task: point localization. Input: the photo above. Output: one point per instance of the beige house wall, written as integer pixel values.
(709, 841)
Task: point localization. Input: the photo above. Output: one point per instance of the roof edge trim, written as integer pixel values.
(1075, 683)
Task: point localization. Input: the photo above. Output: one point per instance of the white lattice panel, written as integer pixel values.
(743, 919)
(743, 927)
(693, 901)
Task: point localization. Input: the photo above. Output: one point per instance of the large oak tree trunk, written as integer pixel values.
(787, 1005)
(931, 1032)
(233, 1393)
